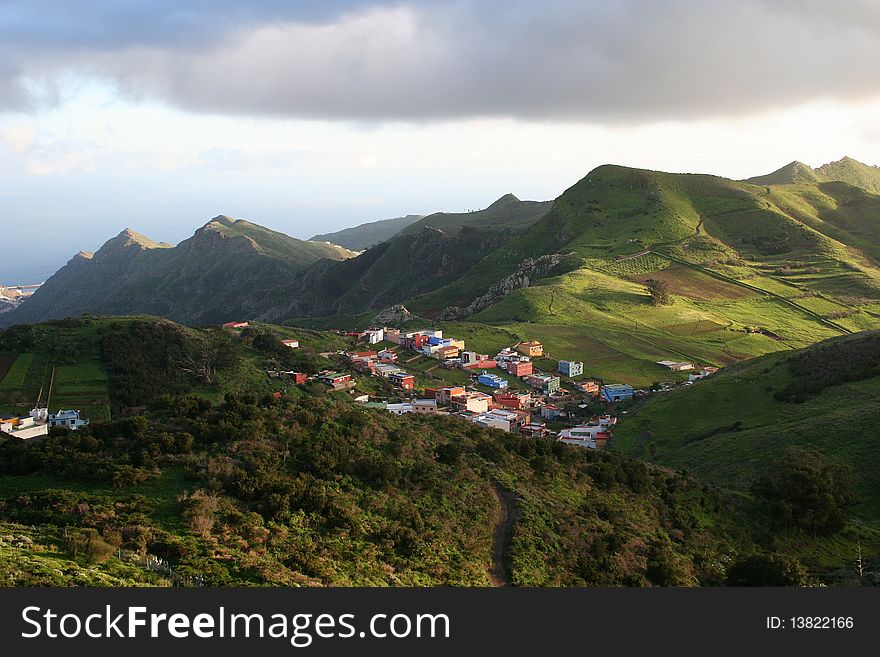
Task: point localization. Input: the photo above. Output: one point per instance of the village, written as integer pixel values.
(503, 391)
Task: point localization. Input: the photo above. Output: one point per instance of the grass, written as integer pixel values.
(731, 445)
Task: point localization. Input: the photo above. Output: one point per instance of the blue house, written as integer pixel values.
(492, 380)
(615, 392)
(571, 368)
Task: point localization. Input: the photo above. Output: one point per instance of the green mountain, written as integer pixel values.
(228, 267)
(845, 170)
(749, 270)
(366, 235)
(407, 265)
(726, 429)
(507, 213)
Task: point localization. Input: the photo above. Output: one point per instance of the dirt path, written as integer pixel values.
(500, 572)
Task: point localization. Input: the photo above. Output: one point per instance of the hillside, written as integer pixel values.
(750, 270)
(358, 238)
(226, 484)
(226, 268)
(230, 486)
(725, 430)
(846, 170)
(507, 213)
(405, 266)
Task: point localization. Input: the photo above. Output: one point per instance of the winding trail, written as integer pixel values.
(499, 573)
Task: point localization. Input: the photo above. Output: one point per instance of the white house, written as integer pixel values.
(293, 344)
(374, 336)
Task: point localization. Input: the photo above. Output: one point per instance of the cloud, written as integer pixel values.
(621, 62)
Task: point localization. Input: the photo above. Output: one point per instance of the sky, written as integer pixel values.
(309, 117)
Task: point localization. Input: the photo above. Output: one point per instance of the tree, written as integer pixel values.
(768, 570)
(659, 291)
(805, 490)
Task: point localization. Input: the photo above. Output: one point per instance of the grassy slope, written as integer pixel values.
(797, 261)
(745, 426)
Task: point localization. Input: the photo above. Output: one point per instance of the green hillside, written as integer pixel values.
(750, 270)
(358, 238)
(725, 430)
(507, 213)
(846, 170)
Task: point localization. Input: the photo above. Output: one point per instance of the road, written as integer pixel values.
(500, 571)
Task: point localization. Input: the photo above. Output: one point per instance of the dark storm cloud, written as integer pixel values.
(553, 60)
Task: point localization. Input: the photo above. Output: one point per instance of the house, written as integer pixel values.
(537, 429)
(447, 352)
(293, 344)
(392, 335)
(364, 365)
(298, 378)
(546, 384)
(592, 435)
(387, 356)
(492, 380)
(399, 409)
(503, 419)
(443, 396)
(519, 368)
(374, 335)
(589, 387)
(33, 426)
(361, 399)
(403, 380)
(516, 400)
(480, 365)
(551, 412)
(333, 378)
(386, 369)
(471, 402)
(606, 421)
(416, 341)
(532, 348)
(424, 406)
(615, 392)
(235, 325)
(67, 419)
(571, 368)
(702, 374)
(676, 366)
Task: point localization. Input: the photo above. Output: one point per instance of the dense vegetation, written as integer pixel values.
(309, 488)
(317, 491)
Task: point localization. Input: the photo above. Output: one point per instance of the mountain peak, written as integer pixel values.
(505, 200)
(223, 220)
(793, 172)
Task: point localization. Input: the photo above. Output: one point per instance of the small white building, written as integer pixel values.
(374, 336)
(293, 344)
(67, 419)
(399, 409)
